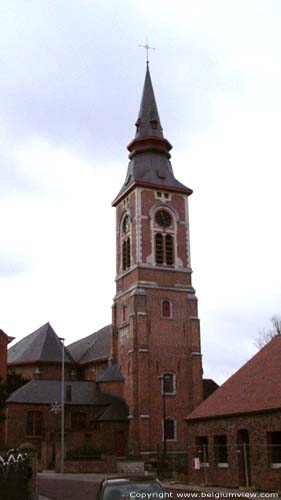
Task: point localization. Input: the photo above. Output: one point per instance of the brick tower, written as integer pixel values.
(156, 331)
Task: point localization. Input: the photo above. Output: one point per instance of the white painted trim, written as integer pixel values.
(224, 465)
(145, 416)
(196, 354)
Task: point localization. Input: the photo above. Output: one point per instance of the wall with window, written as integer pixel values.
(228, 442)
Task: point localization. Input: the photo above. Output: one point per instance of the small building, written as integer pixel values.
(236, 432)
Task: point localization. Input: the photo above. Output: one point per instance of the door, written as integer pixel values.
(243, 455)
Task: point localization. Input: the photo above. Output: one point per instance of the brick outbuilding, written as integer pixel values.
(236, 432)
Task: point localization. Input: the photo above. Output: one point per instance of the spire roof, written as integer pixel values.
(149, 151)
(148, 122)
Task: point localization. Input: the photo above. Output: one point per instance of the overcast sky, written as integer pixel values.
(70, 87)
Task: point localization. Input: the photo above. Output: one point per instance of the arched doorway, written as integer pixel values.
(243, 456)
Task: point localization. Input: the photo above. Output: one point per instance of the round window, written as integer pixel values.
(163, 218)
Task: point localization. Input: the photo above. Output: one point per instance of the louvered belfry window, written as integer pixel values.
(125, 227)
(126, 254)
(159, 248)
(169, 250)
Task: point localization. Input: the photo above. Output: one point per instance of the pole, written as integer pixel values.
(164, 419)
(62, 409)
(246, 469)
(205, 464)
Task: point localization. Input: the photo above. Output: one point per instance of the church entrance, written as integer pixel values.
(243, 454)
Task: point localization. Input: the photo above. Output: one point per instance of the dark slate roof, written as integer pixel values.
(111, 374)
(148, 111)
(256, 387)
(209, 386)
(95, 346)
(42, 345)
(83, 393)
(149, 159)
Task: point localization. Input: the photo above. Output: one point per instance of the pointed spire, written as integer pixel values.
(149, 150)
(148, 122)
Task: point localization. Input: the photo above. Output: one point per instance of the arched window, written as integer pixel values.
(126, 243)
(124, 310)
(164, 238)
(168, 383)
(34, 423)
(166, 309)
(170, 429)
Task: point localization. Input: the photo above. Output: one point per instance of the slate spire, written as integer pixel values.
(148, 122)
(149, 156)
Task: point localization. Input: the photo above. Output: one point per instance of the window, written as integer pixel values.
(159, 248)
(168, 383)
(126, 254)
(124, 313)
(220, 444)
(125, 227)
(78, 421)
(202, 448)
(169, 250)
(34, 423)
(166, 309)
(274, 442)
(164, 238)
(170, 429)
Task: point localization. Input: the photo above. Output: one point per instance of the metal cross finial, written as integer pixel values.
(147, 48)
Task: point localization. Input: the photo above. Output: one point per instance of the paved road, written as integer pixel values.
(64, 489)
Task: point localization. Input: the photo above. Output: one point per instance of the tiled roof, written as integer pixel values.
(111, 374)
(82, 393)
(256, 387)
(95, 346)
(41, 345)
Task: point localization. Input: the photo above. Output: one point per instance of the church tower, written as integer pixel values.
(156, 335)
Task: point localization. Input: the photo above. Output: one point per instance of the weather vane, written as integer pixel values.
(147, 48)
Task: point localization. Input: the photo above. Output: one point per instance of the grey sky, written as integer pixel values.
(70, 87)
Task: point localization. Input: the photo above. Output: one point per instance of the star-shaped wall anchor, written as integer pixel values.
(56, 407)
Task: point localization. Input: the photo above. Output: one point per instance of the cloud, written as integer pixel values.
(13, 265)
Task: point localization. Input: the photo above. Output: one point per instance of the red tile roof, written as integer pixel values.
(255, 387)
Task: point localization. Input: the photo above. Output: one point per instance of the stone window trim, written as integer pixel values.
(164, 238)
(175, 429)
(163, 315)
(171, 376)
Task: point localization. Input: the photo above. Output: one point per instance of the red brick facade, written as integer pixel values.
(146, 343)
(256, 430)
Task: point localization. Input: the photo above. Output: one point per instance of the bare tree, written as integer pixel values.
(266, 334)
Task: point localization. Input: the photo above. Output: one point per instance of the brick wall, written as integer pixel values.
(232, 474)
